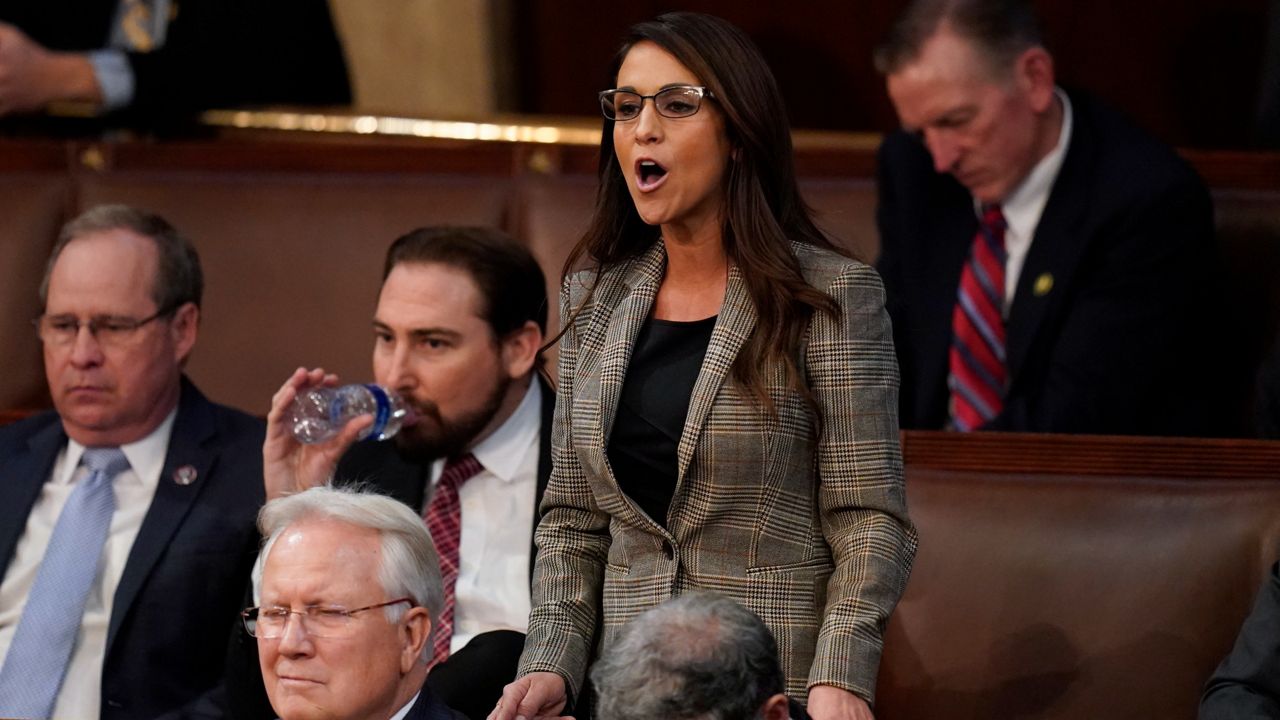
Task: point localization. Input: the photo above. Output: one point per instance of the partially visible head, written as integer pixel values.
(974, 80)
(131, 276)
(459, 323)
(344, 548)
(700, 656)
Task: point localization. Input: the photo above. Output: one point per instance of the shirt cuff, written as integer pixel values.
(115, 78)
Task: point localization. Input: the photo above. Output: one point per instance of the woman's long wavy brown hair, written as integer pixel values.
(763, 212)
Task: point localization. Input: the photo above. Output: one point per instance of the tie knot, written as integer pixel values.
(993, 217)
(458, 470)
(109, 461)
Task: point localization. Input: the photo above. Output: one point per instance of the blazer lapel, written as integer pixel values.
(622, 303)
(734, 325)
(1055, 251)
(193, 427)
(20, 482)
(642, 281)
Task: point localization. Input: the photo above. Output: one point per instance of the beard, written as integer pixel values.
(433, 436)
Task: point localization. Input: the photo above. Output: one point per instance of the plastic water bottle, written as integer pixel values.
(320, 413)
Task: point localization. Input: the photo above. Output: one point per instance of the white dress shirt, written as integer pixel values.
(492, 591)
(1025, 204)
(81, 690)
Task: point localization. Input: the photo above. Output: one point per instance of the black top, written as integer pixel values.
(651, 412)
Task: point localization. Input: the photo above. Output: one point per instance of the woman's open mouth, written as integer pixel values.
(649, 175)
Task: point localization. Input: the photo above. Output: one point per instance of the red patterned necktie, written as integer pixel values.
(978, 370)
(444, 520)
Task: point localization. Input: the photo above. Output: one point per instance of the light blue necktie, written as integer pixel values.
(46, 634)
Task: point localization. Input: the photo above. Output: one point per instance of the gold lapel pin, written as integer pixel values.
(185, 475)
(1043, 285)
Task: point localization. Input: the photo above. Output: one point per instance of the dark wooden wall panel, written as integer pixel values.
(1188, 70)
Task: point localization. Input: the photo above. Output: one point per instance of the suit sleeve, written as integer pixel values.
(861, 498)
(888, 263)
(1247, 683)
(897, 152)
(572, 537)
(220, 53)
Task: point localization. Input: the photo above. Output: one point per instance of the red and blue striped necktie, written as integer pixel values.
(978, 371)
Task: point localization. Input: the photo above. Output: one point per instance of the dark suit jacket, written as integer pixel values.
(1247, 683)
(430, 707)
(1121, 341)
(472, 679)
(1267, 410)
(217, 53)
(180, 593)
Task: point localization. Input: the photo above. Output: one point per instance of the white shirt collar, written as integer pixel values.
(1023, 206)
(501, 453)
(145, 456)
(404, 711)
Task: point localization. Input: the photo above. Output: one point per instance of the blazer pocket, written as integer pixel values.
(819, 562)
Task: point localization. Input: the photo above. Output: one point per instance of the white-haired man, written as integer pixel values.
(350, 587)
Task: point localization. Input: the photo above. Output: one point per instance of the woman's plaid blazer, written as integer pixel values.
(808, 531)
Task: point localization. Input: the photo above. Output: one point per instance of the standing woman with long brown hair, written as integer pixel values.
(726, 417)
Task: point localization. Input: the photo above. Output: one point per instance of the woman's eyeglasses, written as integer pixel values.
(677, 101)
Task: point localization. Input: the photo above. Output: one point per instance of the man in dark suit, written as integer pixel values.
(127, 515)
(1246, 686)
(457, 333)
(1048, 266)
(159, 58)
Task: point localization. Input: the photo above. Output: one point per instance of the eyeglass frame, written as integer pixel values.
(704, 93)
(97, 323)
(306, 613)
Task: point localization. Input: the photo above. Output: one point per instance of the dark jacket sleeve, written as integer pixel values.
(890, 266)
(1247, 684)
(222, 53)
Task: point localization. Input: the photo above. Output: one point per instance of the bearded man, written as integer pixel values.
(457, 332)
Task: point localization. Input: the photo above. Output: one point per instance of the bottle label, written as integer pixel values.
(383, 412)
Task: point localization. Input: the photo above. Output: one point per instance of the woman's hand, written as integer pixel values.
(532, 697)
(827, 702)
(289, 466)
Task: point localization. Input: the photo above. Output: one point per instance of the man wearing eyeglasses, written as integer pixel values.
(350, 594)
(127, 514)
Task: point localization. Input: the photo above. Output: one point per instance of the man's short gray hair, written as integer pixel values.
(410, 567)
(179, 279)
(700, 655)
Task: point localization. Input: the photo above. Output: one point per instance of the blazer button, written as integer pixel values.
(668, 550)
